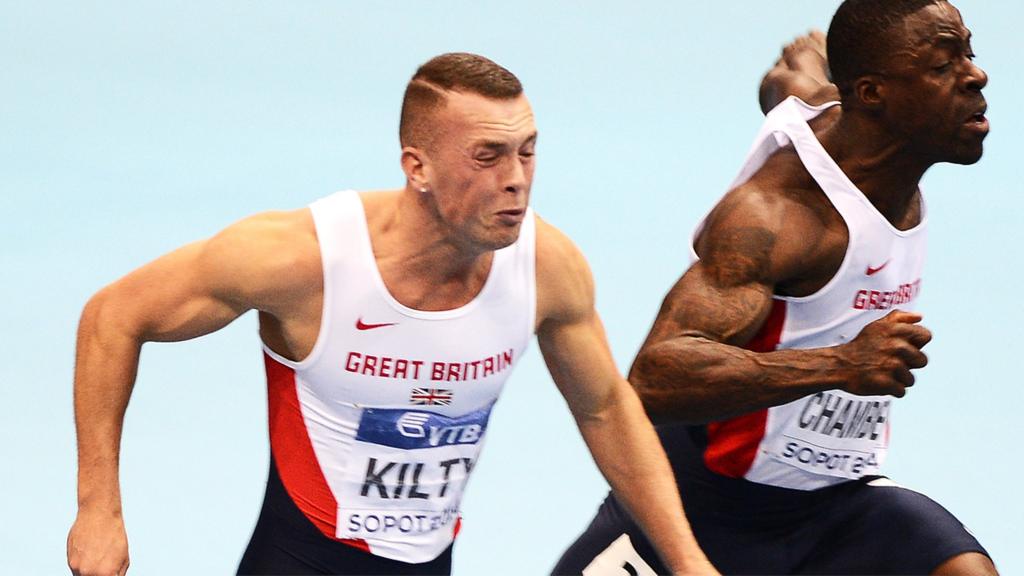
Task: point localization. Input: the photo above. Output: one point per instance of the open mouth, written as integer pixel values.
(977, 122)
(979, 115)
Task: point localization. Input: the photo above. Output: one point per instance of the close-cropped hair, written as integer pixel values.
(860, 37)
(459, 72)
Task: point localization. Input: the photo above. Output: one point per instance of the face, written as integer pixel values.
(479, 167)
(932, 88)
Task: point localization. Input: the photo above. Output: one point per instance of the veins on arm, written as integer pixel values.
(693, 366)
(730, 289)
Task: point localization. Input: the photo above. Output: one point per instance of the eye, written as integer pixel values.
(944, 67)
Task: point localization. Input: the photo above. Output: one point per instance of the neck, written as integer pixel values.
(422, 261)
(414, 230)
(883, 165)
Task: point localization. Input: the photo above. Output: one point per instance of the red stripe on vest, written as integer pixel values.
(293, 452)
(732, 444)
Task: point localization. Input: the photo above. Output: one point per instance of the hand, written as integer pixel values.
(880, 358)
(98, 544)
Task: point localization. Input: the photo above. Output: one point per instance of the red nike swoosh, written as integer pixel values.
(872, 271)
(360, 325)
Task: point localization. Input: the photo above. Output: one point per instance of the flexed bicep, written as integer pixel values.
(169, 299)
(266, 262)
(723, 298)
(726, 294)
(694, 365)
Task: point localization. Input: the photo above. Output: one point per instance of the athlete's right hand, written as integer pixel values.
(98, 544)
(880, 358)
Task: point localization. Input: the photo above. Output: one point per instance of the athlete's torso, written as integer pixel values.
(376, 431)
(833, 436)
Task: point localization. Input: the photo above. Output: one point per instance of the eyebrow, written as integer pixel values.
(492, 145)
(499, 146)
(949, 37)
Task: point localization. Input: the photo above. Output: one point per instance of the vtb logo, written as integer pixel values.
(414, 425)
(411, 424)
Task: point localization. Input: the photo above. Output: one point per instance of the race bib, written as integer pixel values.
(407, 474)
(832, 433)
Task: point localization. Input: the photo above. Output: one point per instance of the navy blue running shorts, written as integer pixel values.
(286, 542)
(869, 526)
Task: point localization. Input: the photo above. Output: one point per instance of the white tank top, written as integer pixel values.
(375, 433)
(832, 436)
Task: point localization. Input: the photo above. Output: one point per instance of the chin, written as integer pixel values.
(966, 158)
(502, 240)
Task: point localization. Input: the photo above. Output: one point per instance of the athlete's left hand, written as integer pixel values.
(98, 544)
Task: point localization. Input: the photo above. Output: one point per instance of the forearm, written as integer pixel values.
(697, 380)
(801, 71)
(628, 453)
(105, 366)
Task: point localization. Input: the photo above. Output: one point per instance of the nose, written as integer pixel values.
(516, 177)
(976, 78)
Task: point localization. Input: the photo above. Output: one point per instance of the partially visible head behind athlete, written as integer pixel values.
(910, 64)
(468, 136)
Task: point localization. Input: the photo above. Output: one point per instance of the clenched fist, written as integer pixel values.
(880, 358)
(97, 544)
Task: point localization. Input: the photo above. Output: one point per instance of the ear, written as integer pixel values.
(415, 164)
(870, 91)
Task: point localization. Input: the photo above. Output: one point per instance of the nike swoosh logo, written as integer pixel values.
(872, 271)
(360, 325)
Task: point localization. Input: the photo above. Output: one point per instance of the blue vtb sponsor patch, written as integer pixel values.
(413, 429)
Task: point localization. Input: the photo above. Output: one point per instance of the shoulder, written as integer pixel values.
(557, 254)
(773, 228)
(267, 257)
(268, 237)
(565, 286)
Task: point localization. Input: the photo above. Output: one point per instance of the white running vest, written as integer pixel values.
(375, 433)
(832, 436)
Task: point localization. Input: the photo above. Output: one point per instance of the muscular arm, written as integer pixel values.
(606, 409)
(695, 365)
(190, 292)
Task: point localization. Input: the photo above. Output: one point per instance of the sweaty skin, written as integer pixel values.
(433, 242)
(778, 234)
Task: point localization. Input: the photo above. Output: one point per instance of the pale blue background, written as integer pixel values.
(130, 128)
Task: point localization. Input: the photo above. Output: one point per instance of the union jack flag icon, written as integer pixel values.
(431, 396)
